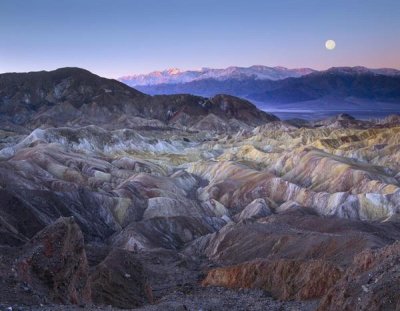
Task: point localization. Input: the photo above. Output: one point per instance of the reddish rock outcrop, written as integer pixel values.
(371, 283)
(285, 279)
(54, 263)
(119, 281)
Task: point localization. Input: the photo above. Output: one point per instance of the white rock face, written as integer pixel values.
(256, 209)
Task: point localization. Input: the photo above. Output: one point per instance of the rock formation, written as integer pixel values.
(112, 197)
(54, 263)
(370, 283)
(119, 281)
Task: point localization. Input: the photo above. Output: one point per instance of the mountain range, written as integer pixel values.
(344, 88)
(175, 75)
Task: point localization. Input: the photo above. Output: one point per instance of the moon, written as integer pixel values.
(330, 44)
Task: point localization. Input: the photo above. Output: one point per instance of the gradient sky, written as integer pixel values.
(119, 37)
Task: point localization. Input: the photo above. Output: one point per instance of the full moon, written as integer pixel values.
(330, 44)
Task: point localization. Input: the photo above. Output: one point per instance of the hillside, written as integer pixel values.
(76, 97)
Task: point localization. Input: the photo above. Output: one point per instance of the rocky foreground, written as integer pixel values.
(110, 198)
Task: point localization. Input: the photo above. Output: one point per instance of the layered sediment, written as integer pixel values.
(126, 199)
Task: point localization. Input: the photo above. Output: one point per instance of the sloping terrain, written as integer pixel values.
(76, 97)
(211, 205)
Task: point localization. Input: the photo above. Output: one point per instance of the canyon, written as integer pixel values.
(111, 197)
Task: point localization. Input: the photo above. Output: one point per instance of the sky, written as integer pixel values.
(119, 37)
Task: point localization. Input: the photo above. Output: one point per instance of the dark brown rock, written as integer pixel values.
(297, 237)
(119, 281)
(284, 279)
(54, 263)
(372, 283)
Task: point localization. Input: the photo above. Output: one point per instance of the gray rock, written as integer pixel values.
(256, 209)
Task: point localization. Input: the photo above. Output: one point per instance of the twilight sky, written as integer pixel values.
(119, 37)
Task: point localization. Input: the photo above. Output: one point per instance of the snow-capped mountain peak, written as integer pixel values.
(175, 75)
(173, 71)
(256, 72)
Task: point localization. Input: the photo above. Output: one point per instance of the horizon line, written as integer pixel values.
(196, 69)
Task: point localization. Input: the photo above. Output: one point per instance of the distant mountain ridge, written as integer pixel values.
(391, 72)
(175, 75)
(351, 87)
(257, 72)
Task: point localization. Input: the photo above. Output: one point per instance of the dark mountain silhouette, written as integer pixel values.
(73, 96)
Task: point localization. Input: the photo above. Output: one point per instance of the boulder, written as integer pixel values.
(54, 263)
(119, 281)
